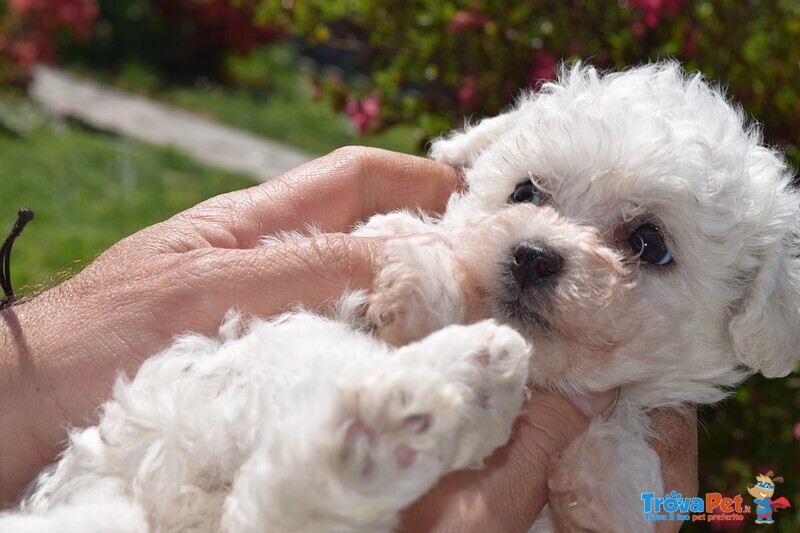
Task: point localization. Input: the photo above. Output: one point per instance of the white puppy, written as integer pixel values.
(630, 227)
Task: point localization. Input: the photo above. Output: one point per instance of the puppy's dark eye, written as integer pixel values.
(526, 193)
(647, 242)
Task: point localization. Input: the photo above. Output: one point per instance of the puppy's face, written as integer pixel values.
(635, 230)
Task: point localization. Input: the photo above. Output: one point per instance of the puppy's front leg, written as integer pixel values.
(416, 290)
(597, 483)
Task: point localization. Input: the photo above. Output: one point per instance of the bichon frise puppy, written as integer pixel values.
(621, 230)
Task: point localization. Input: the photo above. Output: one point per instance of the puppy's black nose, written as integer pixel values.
(532, 263)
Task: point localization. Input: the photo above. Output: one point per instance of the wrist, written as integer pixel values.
(28, 407)
(58, 362)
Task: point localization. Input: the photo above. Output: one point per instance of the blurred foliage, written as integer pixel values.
(31, 31)
(180, 37)
(757, 430)
(432, 63)
(429, 64)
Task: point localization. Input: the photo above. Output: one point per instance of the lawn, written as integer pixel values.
(87, 189)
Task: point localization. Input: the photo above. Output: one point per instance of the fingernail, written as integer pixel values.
(601, 404)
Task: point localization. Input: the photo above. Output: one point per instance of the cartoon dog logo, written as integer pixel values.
(762, 493)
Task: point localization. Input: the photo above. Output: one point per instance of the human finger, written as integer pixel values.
(310, 272)
(332, 193)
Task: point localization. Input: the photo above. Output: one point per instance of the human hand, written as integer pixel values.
(511, 490)
(678, 454)
(61, 351)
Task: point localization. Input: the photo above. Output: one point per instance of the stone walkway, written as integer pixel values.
(142, 119)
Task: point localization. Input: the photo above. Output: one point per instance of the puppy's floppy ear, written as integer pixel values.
(461, 147)
(766, 330)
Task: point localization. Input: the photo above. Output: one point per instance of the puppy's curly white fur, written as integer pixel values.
(630, 227)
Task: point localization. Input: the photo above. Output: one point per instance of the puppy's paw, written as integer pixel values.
(596, 484)
(489, 364)
(415, 291)
(397, 433)
(446, 403)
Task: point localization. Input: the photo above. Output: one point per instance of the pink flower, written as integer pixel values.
(364, 114)
(543, 68)
(671, 7)
(653, 10)
(797, 431)
(467, 93)
(21, 6)
(50, 15)
(467, 20)
(690, 42)
(31, 48)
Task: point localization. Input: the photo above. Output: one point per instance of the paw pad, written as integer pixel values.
(417, 423)
(483, 358)
(404, 456)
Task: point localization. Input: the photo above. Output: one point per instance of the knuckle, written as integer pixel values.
(354, 152)
(359, 158)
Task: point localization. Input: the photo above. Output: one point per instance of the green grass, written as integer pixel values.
(274, 99)
(88, 190)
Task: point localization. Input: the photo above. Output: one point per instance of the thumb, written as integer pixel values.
(509, 493)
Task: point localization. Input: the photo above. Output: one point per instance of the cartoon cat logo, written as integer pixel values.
(762, 493)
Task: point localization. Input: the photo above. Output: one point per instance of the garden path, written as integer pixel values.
(134, 116)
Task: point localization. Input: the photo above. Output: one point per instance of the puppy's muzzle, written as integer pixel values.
(533, 263)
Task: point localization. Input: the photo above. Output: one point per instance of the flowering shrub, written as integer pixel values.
(364, 113)
(653, 11)
(30, 29)
(215, 25)
(435, 62)
(179, 36)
